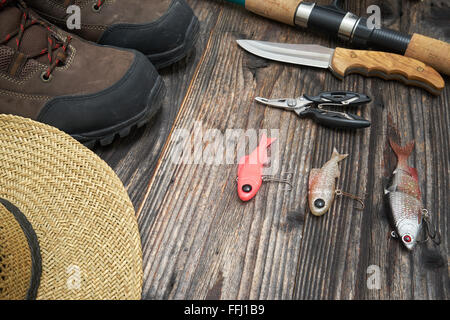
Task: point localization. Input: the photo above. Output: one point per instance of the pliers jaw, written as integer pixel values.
(297, 104)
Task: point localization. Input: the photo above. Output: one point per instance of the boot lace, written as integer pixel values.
(97, 5)
(54, 43)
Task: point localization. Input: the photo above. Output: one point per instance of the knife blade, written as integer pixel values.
(341, 62)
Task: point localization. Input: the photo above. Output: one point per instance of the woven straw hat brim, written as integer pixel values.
(80, 211)
(16, 263)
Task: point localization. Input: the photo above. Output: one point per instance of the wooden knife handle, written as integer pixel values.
(433, 52)
(388, 66)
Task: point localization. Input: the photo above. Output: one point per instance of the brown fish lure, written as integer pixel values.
(322, 184)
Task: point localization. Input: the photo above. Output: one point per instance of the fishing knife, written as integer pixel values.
(341, 62)
(333, 21)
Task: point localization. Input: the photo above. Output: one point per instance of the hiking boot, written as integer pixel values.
(94, 93)
(163, 30)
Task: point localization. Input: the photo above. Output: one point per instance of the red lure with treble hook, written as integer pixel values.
(250, 177)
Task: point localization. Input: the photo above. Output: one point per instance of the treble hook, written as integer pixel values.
(339, 192)
(284, 178)
(430, 229)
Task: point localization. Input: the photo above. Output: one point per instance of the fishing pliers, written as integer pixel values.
(312, 107)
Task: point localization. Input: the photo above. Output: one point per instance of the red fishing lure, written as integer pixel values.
(250, 177)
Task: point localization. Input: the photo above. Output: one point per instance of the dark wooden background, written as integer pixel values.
(201, 242)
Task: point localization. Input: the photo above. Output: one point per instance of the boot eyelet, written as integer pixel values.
(44, 77)
(96, 8)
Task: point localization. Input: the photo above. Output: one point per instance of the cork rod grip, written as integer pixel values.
(280, 10)
(433, 52)
(388, 66)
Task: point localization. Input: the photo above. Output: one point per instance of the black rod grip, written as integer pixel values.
(380, 39)
(328, 19)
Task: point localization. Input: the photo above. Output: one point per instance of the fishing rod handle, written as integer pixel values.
(279, 10)
(337, 22)
(433, 52)
(334, 21)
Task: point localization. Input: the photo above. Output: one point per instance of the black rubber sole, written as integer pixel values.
(165, 59)
(107, 136)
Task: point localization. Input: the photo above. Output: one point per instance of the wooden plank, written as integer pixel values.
(200, 241)
(205, 243)
(135, 157)
(339, 270)
(207, 238)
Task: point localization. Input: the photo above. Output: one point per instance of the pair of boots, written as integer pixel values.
(97, 82)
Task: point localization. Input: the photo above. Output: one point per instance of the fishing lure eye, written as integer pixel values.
(247, 188)
(407, 239)
(319, 203)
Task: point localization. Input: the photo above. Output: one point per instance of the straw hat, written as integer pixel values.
(67, 227)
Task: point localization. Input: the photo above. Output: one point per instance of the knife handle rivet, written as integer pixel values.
(420, 69)
(353, 55)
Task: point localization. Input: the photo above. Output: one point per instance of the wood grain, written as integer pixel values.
(135, 157)
(387, 66)
(433, 52)
(201, 242)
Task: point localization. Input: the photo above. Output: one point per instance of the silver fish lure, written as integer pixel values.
(322, 185)
(405, 199)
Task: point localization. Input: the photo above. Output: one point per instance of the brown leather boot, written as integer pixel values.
(91, 92)
(164, 30)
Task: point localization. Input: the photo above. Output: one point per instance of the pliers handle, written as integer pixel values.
(339, 98)
(335, 119)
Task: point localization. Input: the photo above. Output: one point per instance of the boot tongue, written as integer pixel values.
(34, 38)
(9, 20)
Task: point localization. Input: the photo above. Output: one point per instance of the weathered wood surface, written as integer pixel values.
(200, 241)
